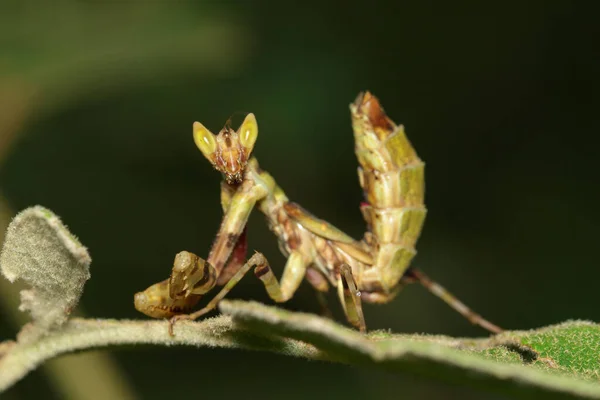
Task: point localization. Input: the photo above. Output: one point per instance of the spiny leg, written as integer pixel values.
(293, 274)
(452, 301)
(350, 298)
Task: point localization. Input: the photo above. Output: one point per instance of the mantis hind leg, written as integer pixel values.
(350, 298)
(293, 274)
(451, 300)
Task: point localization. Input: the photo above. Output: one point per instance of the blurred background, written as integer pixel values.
(97, 101)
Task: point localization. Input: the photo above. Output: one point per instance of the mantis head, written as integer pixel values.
(230, 150)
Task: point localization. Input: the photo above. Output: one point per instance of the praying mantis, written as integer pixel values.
(372, 269)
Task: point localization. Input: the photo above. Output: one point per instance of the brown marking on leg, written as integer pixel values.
(232, 239)
(261, 270)
(237, 259)
(208, 276)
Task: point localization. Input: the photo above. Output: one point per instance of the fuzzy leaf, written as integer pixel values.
(41, 251)
(559, 361)
(553, 362)
(18, 359)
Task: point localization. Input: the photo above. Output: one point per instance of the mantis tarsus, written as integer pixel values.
(373, 269)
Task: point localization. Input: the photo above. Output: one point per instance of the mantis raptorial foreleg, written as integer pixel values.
(238, 254)
(191, 275)
(237, 259)
(293, 273)
(240, 206)
(350, 298)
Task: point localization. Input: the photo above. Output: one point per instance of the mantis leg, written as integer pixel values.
(190, 275)
(321, 286)
(238, 254)
(294, 271)
(350, 298)
(236, 260)
(452, 301)
(238, 209)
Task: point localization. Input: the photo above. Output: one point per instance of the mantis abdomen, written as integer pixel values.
(392, 178)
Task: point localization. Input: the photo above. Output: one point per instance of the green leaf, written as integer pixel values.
(560, 361)
(571, 348)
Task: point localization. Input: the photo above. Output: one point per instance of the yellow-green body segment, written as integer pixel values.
(392, 178)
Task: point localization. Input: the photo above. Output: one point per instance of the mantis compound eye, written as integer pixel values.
(248, 132)
(229, 151)
(205, 141)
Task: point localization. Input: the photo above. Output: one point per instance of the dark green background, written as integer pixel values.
(500, 102)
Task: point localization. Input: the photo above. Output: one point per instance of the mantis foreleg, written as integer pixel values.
(294, 271)
(238, 254)
(241, 205)
(237, 259)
